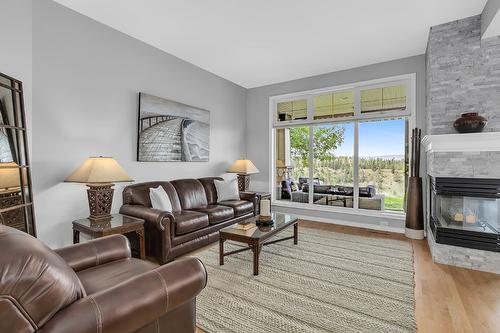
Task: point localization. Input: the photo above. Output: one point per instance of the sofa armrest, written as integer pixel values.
(252, 197)
(134, 303)
(95, 252)
(248, 196)
(157, 217)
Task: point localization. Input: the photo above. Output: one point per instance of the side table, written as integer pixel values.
(260, 197)
(116, 224)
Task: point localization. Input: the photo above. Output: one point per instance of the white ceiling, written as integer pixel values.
(259, 42)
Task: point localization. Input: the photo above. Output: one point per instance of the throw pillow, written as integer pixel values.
(227, 190)
(159, 199)
(229, 176)
(294, 187)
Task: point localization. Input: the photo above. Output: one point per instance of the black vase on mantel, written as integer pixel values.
(470, 123)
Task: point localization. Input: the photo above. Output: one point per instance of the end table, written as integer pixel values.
(116, 224)
(260, 196)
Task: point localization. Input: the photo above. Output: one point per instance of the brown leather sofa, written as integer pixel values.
(196, 216)
(93, 287)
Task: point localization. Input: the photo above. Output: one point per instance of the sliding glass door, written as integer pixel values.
(382, 158)
(333, 164)
(345, 148)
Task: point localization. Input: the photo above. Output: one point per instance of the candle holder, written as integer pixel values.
(265, 217)
(264, 220)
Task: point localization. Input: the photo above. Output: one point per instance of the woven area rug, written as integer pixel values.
(329, 282)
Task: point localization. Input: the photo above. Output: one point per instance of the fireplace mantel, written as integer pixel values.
(472, 142)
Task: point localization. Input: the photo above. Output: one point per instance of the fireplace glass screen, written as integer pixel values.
(466, 212)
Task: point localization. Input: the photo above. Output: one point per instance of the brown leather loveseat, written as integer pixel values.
(93, 287)
(196, 216)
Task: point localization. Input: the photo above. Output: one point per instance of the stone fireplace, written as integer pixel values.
(462, 75)
(465, 212)
(463, 225)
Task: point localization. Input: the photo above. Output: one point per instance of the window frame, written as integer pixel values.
(409, 80)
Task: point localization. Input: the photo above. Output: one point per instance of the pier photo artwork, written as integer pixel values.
(171, 132)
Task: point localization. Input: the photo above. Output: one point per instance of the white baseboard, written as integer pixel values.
(352, 224)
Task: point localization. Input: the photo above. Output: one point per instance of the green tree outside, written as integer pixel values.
(387, 175)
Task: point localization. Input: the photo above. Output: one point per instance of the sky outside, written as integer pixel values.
(376, 139)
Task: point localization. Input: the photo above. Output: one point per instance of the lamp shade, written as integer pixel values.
(243, 167)
(9, 175)
(99, 170)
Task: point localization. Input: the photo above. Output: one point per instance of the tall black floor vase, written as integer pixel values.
(414, 202)
(414, 209)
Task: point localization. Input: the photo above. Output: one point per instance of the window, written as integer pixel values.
(383, 99)
(291, 159)
(344, 148)
(292, 110)
(334, 105)
(382, 156)
(333, 164)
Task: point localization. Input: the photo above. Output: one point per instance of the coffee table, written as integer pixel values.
(256, 237)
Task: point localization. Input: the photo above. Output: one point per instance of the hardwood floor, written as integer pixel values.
(448, 298)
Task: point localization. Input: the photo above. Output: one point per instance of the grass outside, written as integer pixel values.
(394, 203)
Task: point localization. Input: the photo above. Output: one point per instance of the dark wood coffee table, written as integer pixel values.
(256, 237)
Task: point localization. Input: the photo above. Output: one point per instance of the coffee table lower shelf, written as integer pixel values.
(254, 243)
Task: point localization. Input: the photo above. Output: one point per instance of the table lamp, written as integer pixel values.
(9, 176)
(99, 173)
(243, 168)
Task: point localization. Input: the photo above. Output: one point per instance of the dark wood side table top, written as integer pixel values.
(116, 224)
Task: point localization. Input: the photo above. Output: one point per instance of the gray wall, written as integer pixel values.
(258, 137)
(463, 75)
(16, 46)
(489, 12)
(86, 78)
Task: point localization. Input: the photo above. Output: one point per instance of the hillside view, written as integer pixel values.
(333, 157)
(386, 175)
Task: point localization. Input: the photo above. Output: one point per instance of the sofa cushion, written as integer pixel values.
(286, 189)
(317, 188)
(189, 221)
(367, 192)
(345, 190)
(217, 213)
(105, 276)
(211, 192)
(240, 207)
(191, 193)
(138, 194)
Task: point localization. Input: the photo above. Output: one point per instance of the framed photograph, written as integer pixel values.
(171, 132)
